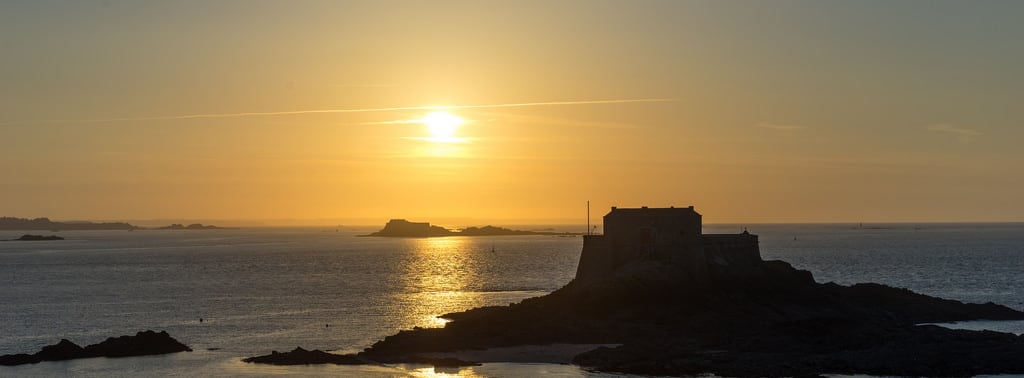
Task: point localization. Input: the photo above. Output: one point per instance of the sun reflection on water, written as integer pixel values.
(442, 276)
(431, 372)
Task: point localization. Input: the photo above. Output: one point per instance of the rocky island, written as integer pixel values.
(144, 343)
(402, 228)
(676, 301)
(30, 237)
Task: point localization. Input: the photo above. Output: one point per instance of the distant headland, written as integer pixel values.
(401, 228)
(24, 224)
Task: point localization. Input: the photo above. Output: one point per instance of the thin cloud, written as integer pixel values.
(356, 110)
(556, 121)
(962, 133)
(776, 126)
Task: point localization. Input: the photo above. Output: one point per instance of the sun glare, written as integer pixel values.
(442, 125)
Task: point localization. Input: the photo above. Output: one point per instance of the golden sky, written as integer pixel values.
(316, 111)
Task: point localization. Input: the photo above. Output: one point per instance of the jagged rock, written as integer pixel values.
(30, 237)
(299, 356)
(18, 359)
(63, 350)
(142, 344)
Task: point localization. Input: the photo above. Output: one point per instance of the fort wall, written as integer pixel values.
(732, 249)
(596, 259)
(669, 235)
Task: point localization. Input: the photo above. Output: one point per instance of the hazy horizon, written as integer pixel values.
(512, 113)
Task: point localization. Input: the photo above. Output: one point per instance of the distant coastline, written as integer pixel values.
(24, 224)
(401, 228)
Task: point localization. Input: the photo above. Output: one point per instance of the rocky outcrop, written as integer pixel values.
(30, 237)
(142, 344)
(299, 356)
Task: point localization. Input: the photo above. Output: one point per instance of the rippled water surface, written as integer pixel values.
(258, 290)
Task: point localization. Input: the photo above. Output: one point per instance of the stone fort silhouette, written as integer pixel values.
(670, 236)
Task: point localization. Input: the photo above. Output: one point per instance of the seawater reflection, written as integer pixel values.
(442, 275)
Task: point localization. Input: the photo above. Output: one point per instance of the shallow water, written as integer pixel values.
(258, 290)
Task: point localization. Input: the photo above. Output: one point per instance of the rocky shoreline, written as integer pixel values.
(773, 320)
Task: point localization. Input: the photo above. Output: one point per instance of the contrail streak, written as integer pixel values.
(358, 110)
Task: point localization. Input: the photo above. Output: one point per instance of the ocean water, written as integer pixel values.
(258, 290)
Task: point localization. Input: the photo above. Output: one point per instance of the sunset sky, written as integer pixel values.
(317, 111)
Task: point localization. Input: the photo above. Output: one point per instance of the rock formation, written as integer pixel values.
(142, 344)
(30, 237)
(299, 356)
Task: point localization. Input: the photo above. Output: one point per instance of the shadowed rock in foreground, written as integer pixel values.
(142, 344)
(683, 303)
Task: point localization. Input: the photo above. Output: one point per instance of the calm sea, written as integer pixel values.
(258, 290)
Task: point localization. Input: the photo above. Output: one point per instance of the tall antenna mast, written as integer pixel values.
(588, 217)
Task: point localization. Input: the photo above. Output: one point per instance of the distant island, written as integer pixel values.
(30, 237)
(401, 228)
(24, 224)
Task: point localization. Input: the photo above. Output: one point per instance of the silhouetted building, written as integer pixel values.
(404, 228)
(668, 235)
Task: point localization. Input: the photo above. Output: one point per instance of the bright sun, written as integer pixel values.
(442, 125)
